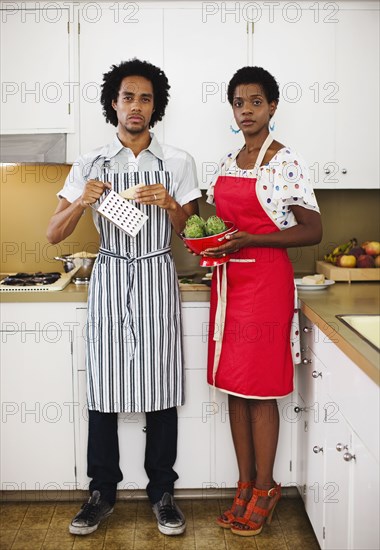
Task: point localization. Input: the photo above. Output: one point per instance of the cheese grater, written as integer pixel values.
(122, 213)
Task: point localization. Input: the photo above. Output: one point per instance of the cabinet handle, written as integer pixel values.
(300, 409)
(143, 429)
(317, 449)
(307, 329)
(348, 457)
(344, 170)
(340, 447)
(315, 374)
(327, 171)
(306, 361)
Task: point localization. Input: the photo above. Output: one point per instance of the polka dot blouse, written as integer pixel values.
(281, 183)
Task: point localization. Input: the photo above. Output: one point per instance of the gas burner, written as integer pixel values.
(31, 279)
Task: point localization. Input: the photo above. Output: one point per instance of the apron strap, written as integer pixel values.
(265, 146)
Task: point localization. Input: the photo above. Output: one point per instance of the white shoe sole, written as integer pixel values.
(87, 530)
(171, 530)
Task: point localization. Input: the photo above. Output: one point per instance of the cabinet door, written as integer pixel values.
(37, 425)
(35, 70)
(131, 430)
(199, 115)
(336, 486)
(109, 34)
(357, 75)
(365, 498)
(194, 418)
(224, 458)
(296, 45)
(311, 440)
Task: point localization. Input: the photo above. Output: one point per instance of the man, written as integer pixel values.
(134, 353)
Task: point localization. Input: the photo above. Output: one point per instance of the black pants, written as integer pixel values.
(160, 453)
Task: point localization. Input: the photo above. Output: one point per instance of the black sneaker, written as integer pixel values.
(90, 515)
(170, 519)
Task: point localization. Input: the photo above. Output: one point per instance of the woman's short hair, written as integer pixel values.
(254, 75)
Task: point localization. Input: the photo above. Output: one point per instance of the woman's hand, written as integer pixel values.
(92, 191)
(155, 194)
(236, 241)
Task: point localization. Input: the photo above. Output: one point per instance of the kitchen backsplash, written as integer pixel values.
(28, 199)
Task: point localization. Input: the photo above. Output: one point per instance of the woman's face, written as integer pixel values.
(251, 108)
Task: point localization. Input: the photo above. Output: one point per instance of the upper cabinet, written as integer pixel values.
(190, 44)
(108, 35)
(203, 48)
(325, 56)
(37, 79)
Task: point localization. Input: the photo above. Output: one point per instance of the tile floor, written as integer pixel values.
(31, 526)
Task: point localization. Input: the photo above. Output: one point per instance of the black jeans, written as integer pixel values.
(160, 453)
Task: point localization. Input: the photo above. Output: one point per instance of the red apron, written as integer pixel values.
(255, 359)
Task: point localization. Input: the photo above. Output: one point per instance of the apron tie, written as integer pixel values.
(128, 318)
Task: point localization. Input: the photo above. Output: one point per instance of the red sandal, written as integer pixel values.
(247, 528)
(229, 514)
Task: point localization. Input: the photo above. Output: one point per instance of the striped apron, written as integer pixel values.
(134, 349)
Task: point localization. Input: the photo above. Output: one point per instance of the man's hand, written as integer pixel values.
(155, 194)
(92, 191)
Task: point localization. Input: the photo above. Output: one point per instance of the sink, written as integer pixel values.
(367, 326)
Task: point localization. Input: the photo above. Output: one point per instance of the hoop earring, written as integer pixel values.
(233, 129)
(272, 125)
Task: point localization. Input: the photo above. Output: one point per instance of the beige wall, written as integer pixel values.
(28, 199)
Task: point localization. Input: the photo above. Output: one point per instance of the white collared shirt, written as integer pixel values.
(122, 159)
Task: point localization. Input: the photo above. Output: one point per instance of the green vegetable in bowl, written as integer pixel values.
(194, 228)
(215, 225)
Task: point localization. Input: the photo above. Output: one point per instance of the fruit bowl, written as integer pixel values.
(198, 245)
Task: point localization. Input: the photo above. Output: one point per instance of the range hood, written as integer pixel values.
(33, 148)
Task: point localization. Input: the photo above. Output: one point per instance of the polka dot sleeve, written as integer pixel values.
(291, 180)
(285, 182)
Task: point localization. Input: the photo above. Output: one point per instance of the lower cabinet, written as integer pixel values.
(37, 402)
(337, 445)
(44, 422)
(206, 457)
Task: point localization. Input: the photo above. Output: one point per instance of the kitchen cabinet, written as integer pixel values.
(38, 413)
(223, 452)
(316, 84)
(198, 116)
(109, 34)
(194, 431)
(338, 444)
(198, 105)
(37, 72)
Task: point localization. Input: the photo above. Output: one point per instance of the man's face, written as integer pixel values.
(134, 105)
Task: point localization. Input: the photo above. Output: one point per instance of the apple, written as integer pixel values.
(372, 248)
(346, 260)
(377, 261)
(365, 260)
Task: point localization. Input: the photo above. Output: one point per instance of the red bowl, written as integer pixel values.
(201, 243)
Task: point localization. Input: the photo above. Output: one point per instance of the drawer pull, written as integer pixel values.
(315, 374)
(340, 447)
(348, 457)
(317, 449)
(307, 329)
(306, 361)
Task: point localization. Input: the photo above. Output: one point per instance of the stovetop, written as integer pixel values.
(35, 282)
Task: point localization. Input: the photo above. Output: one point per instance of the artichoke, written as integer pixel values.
(194, 228)
(215, 225)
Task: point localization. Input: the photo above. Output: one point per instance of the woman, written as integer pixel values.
(265, 190)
